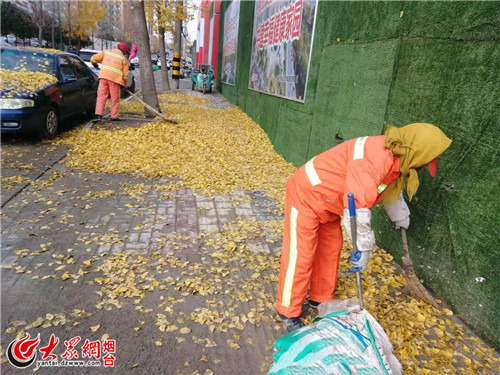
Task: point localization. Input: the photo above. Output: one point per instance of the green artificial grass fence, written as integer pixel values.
(379, 63)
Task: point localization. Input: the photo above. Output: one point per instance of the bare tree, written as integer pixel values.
(149, 94)
(163, 58)
(53, 20)
(38, 16)
(163, 55)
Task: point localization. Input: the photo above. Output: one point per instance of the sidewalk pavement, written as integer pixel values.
(184, 283)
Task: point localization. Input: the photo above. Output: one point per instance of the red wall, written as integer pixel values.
(202, 54)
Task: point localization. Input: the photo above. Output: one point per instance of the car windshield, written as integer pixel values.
(33, 61)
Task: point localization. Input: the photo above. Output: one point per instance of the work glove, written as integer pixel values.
(365, 235)
(398, 212)
(359, 260)
(96, 65)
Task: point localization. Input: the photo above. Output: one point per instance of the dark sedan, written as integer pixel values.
(74, 92)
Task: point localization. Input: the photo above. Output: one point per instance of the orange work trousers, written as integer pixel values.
(107, 88)
(312, 243)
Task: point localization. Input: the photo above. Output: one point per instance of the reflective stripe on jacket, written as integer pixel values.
(114, 66)
(362, 166)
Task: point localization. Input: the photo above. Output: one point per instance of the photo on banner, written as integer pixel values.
(283, 34)
(229, 52)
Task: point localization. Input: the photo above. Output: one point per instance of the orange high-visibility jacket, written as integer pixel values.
(114, 66)
(362, 166)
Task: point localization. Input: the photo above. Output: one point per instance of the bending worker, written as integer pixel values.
(113, 74)
(373, 169)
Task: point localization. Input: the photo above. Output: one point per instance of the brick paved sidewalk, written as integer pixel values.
(65, 233)
(184, 283)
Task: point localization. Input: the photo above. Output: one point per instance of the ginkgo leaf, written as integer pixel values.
(95, 328)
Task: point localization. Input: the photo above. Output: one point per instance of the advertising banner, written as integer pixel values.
(231, 22)
(283, 34)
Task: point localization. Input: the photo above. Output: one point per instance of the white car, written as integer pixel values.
(169, 64)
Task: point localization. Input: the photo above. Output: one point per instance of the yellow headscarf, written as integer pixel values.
(416, 145)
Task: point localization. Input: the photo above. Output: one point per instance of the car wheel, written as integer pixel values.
(204, 88)
(50, 125)
(192, 86)
(210, 89)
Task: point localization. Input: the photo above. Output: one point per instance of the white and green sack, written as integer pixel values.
(342, 340)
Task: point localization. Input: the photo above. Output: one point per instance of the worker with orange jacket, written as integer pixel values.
(375, 169)
(114, 73)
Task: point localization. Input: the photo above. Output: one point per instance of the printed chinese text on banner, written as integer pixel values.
(281, 47)
(231, 22)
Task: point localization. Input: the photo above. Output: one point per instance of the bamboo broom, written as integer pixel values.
(413, 284)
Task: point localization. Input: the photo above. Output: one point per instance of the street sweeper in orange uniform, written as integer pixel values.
(375, 169)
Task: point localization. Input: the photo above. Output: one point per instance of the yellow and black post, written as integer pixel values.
(176, 66)
(176, 63)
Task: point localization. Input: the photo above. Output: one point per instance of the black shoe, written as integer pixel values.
(314, 304)
(116, 119)
(97, 118)
(291, 323)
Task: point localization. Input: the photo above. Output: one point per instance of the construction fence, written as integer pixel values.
(379, 63)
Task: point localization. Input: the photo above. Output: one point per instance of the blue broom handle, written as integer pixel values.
(355, 253)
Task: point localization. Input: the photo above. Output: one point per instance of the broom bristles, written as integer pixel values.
(416, 289)
(413, 284)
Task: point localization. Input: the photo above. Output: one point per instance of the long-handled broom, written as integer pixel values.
(355, 255)
(413, 284)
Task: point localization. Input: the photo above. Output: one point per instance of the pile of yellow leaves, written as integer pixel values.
(180, 98)
(214, 151)
(39, 49)
(23, 81)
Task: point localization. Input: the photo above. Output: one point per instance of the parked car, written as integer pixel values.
(86, 55)
(169, 64)
(74, 92)
(34, 42)
(11, 39)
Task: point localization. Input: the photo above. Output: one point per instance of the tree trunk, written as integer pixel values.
(163, 58)
(53, 18)
(146, 69)
(69, 23)
(40, 30)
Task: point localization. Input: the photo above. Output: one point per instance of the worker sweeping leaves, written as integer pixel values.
(375, 169)
(114, 73)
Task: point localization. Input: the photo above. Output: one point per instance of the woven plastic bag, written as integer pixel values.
(342, 340)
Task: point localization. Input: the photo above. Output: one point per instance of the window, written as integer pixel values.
(67, 70)
(79, 68)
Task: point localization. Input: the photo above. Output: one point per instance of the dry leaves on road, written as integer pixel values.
(212, 150)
